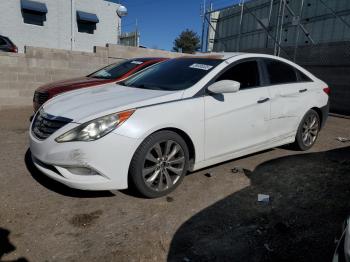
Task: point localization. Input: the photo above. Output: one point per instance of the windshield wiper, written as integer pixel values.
(148, 87)
(101, 77)
(142, 86)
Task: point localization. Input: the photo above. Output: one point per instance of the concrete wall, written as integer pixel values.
(21, 74)
(56, 32)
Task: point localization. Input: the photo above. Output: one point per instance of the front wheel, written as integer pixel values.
(159, 164)
(308, 131)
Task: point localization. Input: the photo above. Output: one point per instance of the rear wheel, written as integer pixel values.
(159, 164)
(308, 131)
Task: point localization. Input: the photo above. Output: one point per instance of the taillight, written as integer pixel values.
(327, 90)
(14, 49)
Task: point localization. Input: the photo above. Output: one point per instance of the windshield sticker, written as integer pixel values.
(201, 66)
(137, 62)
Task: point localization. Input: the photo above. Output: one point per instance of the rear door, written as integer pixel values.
(237, 121)
(289, 89)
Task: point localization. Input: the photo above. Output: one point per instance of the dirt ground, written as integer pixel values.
(208, 218)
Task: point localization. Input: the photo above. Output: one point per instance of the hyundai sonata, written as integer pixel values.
(177, 116)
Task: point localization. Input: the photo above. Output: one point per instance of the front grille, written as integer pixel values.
(45, 124)
(46, 166)
(40, 98)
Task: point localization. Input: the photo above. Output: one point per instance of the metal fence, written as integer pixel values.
(130, 39)
(313, 33)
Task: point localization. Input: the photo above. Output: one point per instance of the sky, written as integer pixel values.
(161, 21)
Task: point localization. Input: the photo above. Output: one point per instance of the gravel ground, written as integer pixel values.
(208, 218)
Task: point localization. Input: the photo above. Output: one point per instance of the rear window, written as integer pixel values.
(302, 77)
(115, 71)
(2, 41)
(280, 72)
(174, 74)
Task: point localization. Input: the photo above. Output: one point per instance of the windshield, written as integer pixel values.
(115, 71)
(175, 74)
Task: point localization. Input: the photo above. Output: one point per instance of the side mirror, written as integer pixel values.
(224, 86)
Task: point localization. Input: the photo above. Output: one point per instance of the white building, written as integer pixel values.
(63, 24)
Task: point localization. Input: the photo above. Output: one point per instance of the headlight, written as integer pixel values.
(96, 128)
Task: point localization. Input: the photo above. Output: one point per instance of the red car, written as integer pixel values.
(108, 74)
(6, 45)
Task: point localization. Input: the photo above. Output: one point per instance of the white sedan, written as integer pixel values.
(178, 116)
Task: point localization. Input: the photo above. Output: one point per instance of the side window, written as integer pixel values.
(302, 77)
(280, 73)
(247, 73)
(2, 42)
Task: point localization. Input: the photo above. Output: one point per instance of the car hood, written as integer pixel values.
(86, 104)
(71, 84)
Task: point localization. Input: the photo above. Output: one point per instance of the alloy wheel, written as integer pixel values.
(163, 165)
(310, 130)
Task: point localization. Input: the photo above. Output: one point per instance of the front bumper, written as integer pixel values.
(99, 165)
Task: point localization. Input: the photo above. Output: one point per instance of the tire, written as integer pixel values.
(162, 156)
(308, 131)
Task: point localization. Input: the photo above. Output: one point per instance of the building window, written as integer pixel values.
(86, 27)
(86, 22)
(33, 13)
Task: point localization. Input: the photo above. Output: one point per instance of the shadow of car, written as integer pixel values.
(7, 247)
(309, 199)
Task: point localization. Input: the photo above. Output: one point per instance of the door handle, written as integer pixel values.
(263, 100)
(302, 90)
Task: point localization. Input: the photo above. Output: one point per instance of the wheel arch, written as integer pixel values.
(319, 112)
(188, 141)
(183, 135)
(320, 115)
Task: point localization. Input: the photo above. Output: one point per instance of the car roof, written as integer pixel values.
(147, 59)
(214, 55)
(228, 55)
(223, 55)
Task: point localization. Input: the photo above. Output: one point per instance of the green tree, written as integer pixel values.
(187, 42)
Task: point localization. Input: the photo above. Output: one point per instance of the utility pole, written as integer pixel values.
(279, 18)
(284, 3)
(136, 34)
(268, 23)
(211, 13)
(297, 31)
(203, 14)
(240, 26)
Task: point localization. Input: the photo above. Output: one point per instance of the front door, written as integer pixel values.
(237, 121)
